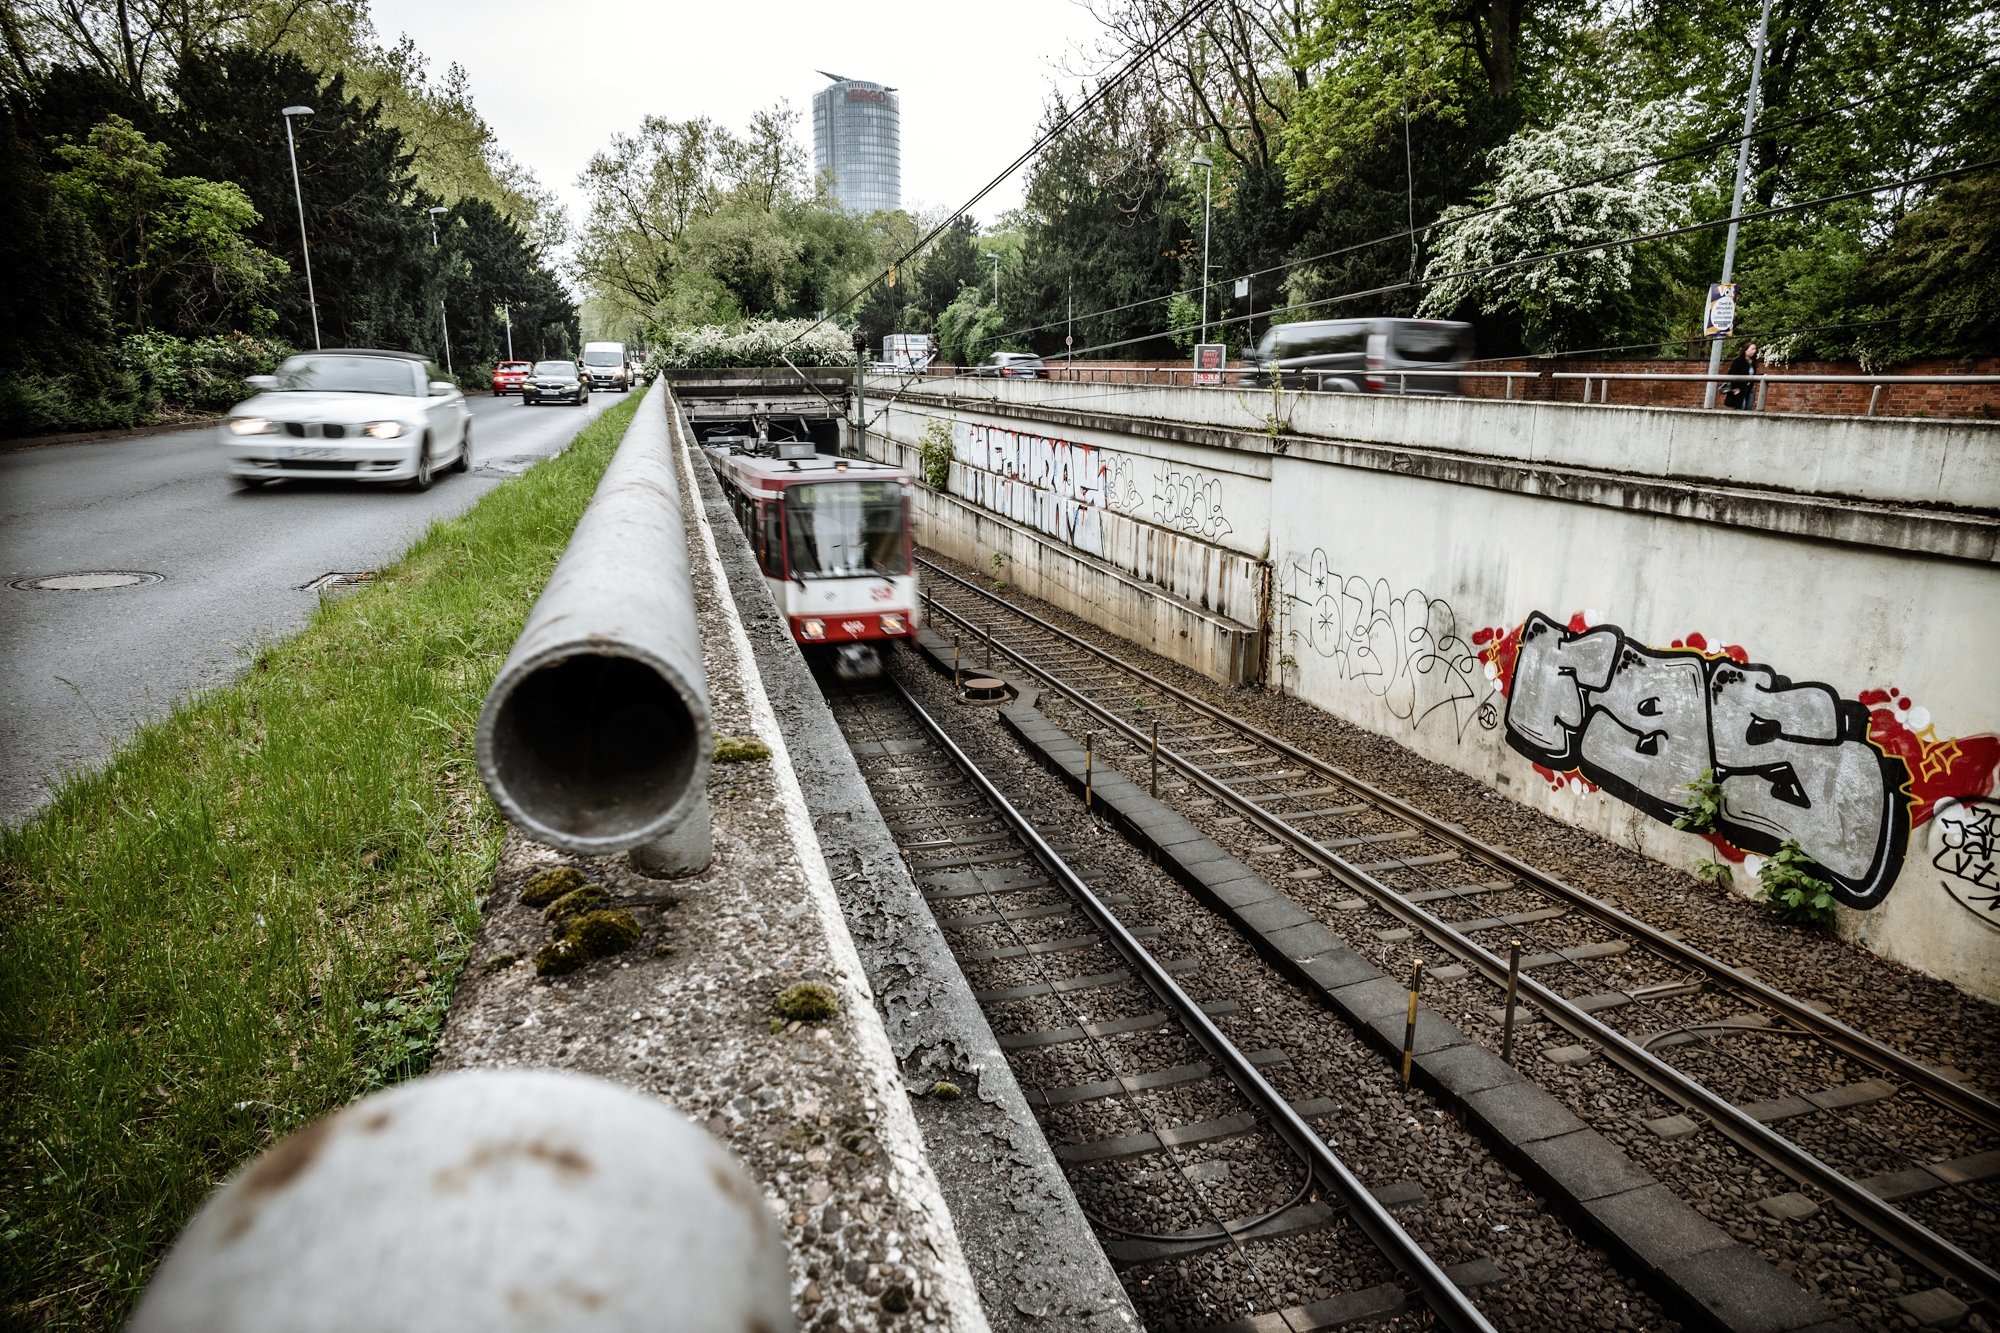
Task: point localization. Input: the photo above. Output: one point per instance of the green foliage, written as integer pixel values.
(1704, 812)
(1184, 313)
(205, 374)
(935, 449)
(155, 229)
(191, 935)
(967, 327)
(1792, 892)
(740, 750)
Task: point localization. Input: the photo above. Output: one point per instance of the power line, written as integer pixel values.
(1103, 91)
(1565, 253)
(1711, 145)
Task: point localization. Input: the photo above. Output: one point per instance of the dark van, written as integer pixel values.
(1362, 355)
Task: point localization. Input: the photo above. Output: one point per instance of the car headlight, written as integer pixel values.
(893, 623)
(251, 426)
(814, 628)
(382, 430)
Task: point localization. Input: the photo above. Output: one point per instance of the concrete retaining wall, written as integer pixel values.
(1587, 606)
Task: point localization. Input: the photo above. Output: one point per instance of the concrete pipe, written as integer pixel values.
(488, 1201)
(595, 737)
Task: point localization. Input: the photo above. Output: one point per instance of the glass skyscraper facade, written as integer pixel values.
(857, 135)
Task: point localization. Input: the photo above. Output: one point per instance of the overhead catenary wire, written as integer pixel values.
(1103, 90)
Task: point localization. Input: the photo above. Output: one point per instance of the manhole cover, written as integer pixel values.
(91, 581)
(335, 581)
(985, 688)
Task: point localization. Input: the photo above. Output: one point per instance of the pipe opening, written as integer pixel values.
(594, 746)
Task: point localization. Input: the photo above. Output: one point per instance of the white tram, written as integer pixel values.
(833, 538)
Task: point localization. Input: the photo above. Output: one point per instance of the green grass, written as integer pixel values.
(258, 909)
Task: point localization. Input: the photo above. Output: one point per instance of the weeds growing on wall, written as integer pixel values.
(1790, 891)
(935, 444)
(257, 910)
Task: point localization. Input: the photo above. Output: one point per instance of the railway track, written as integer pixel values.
(995, 880)
(1391, 876)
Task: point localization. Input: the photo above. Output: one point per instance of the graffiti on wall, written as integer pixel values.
(1405, 650)
(1793, 762)
(1963, 834)
(1062, 488)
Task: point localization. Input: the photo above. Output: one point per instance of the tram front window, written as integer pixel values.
(843, 528)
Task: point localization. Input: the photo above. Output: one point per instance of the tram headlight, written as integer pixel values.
(893, 623)
(812, 628)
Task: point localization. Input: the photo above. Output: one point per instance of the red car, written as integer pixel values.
(507, 376)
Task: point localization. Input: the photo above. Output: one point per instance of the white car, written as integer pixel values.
(349, 414)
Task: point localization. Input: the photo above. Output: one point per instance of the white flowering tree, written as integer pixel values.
(1579, 300)
(760, 342)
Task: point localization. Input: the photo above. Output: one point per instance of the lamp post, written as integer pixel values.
(1207, 195)
(996, 275)
(442, 324)
(507, 313)
(1736, 206)
(298, 197)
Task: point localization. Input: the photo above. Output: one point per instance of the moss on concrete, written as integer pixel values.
(548, 885)
(589, 898)
(740, 749)
(808, 1002)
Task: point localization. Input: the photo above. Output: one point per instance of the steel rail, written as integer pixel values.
(1451, 1305)
(1969, 1102)
(1891, 1225)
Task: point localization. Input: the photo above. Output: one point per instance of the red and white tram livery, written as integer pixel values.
(832, 536)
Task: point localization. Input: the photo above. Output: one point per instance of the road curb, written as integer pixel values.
(105, 436)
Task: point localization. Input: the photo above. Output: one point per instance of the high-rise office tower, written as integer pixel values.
(857, 135)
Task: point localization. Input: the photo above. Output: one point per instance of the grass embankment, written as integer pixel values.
(258, 909)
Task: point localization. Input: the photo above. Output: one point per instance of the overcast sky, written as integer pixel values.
(555, 80)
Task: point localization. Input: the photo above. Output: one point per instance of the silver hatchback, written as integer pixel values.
(1378, 355)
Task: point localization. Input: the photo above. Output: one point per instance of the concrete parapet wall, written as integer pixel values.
(1220, 648)
(1587, 607)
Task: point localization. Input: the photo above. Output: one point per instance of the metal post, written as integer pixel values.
(1207, 199)
(861, 393)
(507, 313)
(1873, 394)
(1736, 206)
(955, 687)
(1089, 742)
(299, 198)
(1156, 756)
(989, 644)
(442, 324)
(1410, 1027)
(1513, 976)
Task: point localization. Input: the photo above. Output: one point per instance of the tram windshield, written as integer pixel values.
(841, 529)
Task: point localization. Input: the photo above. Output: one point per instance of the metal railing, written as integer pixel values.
(1398, 382)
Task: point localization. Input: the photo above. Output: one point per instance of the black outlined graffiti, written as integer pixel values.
(1964, 829)
(1188, 502)
(1406, 650)
(1793, 761)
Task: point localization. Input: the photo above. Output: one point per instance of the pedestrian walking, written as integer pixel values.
(1742, 384)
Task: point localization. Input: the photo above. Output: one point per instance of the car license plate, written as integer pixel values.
(307, 453)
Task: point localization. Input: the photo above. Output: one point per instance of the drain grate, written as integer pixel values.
(95, 580)
(337, 580)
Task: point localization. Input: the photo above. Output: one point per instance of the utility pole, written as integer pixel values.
(1207, 197)
(441, 319)
(1736, 206)
(299, 198)
(507, 314)
(861, 393)
(996, 277)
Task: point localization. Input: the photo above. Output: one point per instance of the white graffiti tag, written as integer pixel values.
(1793, 762)
(1187, 502)
(1405, 650)
(1962, 829)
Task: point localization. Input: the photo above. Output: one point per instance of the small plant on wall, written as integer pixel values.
(1787, 887)
(935, 444)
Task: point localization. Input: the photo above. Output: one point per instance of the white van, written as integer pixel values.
(609, 366)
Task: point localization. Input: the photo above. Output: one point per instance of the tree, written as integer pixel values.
(152, 227)
(1577, 300)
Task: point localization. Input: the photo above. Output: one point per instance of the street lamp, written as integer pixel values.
(996, 276)
(1207, 195)
(507, 313)
(1736, 205)
(434, 212)
(299, 198)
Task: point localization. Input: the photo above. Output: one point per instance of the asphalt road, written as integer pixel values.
(80, 669)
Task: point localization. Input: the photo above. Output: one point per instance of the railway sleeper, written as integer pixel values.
(1135, 1083)
(1064, 985)
(1183, 1136)
(1113, 1027)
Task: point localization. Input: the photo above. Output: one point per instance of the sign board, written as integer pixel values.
(1209, 359)
(1721, 317)
(867, 95)
(1243, 286)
